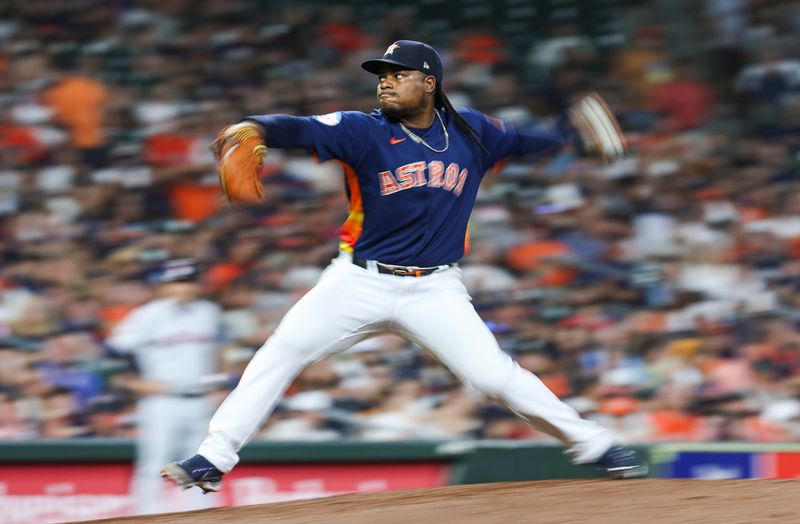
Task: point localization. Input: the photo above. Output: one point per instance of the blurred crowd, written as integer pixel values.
(659, 294)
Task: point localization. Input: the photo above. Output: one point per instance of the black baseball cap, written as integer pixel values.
(409, 54)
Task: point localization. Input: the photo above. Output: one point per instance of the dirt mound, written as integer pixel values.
(574, 501)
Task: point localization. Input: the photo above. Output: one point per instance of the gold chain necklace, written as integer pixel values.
(418, 139)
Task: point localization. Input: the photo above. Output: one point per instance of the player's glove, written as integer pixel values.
(240, 151)
(597, 127)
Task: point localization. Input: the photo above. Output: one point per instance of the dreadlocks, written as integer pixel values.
(441, 100)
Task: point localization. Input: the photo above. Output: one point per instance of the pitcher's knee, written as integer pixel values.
(490, 385)
(290, 349)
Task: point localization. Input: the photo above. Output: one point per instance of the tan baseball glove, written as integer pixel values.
(240, 151)
(598, 128)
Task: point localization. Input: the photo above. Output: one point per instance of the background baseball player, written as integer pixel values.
(412, 171)
(173, 340)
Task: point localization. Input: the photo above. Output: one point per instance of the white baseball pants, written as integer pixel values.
(350, 304)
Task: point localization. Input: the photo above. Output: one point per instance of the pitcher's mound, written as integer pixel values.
(573, 501)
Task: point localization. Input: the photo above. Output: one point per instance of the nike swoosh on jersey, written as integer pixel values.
(394, 140)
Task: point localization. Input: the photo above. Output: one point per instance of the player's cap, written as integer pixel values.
(410, 54)
(178, 270)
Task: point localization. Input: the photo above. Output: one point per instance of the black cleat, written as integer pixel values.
(620, 462)
(194, 471)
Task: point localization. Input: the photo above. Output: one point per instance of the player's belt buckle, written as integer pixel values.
(411, 271)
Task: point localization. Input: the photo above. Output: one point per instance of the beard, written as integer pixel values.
(395, 112)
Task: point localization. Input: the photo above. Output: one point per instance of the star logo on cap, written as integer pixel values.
(390, 49)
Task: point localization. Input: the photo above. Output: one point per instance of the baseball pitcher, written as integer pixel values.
(412, 170)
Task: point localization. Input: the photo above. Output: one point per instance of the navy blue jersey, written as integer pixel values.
(408, 205)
